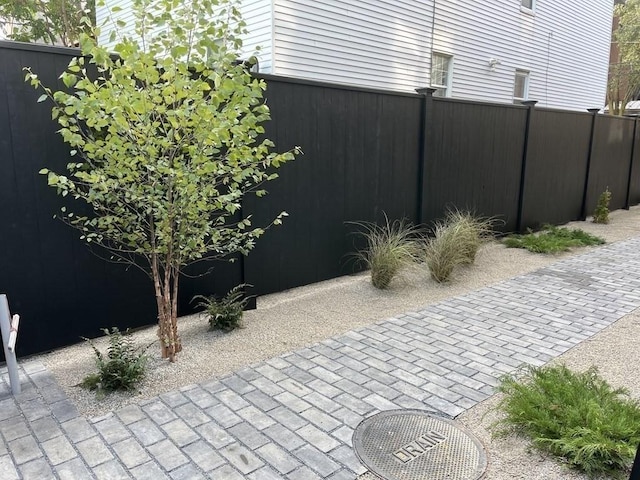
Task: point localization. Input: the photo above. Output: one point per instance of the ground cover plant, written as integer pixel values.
(552, 239)
(123, 366)
(576, 416)
(391, 247)
(169, 139)
(224, 313)
(601, 213)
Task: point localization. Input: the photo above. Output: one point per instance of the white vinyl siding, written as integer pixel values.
(256, 13)
(387, 44)
(376, 43)
(565, 49)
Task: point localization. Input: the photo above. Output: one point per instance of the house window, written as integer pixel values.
(441, 71)
(529, 4)
(521, 86)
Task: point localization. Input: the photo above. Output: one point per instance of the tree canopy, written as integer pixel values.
(624, 75)
(55, 22)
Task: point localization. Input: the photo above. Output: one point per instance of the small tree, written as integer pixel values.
(624, 70)
(57, 22)
(168, 140)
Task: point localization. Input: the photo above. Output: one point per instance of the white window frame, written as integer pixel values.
(443, 87)
(528, 5)
(526, 74)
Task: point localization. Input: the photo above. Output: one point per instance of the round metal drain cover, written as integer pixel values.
(417, 445)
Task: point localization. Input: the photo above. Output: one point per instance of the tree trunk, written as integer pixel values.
(166, 290)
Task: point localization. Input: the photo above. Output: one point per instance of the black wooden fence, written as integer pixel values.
(365, 152)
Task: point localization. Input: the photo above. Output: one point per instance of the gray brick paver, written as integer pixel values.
(38, 469)
(94, 451)
(167, 455)
(24, 449)
(131, 453)
(241, 458)
(8, 468)
(58, 450)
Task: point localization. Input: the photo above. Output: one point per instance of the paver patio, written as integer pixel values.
(293, 416)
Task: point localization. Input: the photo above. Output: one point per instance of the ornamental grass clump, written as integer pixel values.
(446, 249)
(553, 240)
(472, 231)
(576, 416)
(123, 366)
(391, 247)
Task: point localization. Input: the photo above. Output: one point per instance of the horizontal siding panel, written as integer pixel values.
(382, 44)
(565, 48)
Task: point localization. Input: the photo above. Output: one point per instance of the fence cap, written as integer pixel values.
(426, 90)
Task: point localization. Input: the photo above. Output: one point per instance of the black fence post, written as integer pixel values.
(633, 149)
(583, 209)
(525, 152)
(426, 136)
(635, 470)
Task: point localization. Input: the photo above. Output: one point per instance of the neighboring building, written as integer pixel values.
(492, 50)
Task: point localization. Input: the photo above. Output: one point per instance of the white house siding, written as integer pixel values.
(256, 13)
(376, 43)
(564, 46)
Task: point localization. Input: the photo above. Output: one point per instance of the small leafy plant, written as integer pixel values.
(577, 416)
(391, 247)
(552, 239)
(225, 313)
(123, 366)
(601, 213)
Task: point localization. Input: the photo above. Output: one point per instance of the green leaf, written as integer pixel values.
(42, 98)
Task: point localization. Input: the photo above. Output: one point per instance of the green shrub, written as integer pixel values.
(225, 313)
(472, 231)
(601, 213)
(390, 248)
(552, 240)
(577, 416)
(122, 368)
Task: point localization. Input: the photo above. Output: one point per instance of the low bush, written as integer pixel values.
(576, 416)
(601, 213)
(391, 247)
(123, 366)
(552, 240)
(225, 313)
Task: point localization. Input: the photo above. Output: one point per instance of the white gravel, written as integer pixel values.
(292, 319)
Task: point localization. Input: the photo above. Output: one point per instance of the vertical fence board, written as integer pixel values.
(634, 192)
(556, 166)
(475, 160)
(610, 159)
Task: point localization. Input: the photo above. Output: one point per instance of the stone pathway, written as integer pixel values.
(292, 417)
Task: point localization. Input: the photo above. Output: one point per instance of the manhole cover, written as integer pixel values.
(417, 445)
